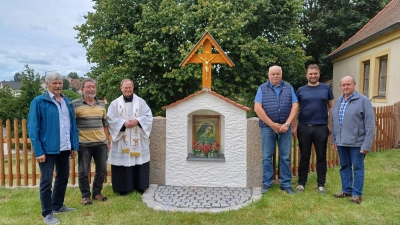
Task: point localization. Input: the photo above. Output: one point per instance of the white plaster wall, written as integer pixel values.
(179, 171)
(351, 66)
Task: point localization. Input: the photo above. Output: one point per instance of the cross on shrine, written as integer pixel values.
(207, 58)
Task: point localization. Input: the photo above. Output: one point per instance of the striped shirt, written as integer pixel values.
(342, 109)
(91, 121)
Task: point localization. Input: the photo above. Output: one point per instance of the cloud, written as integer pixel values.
(36, 27)
(40, 33)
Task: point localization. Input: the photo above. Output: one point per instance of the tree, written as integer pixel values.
(147, 40)
(18, 76)
(71, 94)
(328, 24)
(65, 84)
(73, 75)
(9, 108)
(31, 87)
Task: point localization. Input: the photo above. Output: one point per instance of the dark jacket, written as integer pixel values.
(278, 110)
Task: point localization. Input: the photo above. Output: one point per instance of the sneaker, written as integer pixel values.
(341, 195)
(50, 219)
(356, 199)
(300, 188)
(264, 189)
(322, 190)
(288, 190)
(63, 209)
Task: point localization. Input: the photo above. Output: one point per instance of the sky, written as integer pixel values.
(40, 33)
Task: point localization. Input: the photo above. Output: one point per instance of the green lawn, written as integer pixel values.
(380, 205)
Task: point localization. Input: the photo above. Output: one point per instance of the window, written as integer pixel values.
(366, 77)
(382, 76)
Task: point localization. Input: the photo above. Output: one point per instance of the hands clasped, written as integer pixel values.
(280, 128)
(131, 123)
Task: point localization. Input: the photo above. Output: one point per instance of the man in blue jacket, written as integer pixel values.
(54, 136)
(276, 106)
(353, 127)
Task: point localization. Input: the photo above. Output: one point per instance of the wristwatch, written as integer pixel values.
(287, 124)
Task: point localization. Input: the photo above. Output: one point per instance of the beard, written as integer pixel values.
(89, 95)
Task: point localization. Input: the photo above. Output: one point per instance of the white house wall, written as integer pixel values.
(179, 171)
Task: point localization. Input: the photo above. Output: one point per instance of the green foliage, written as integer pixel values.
(9, 108)
(328, 24)
(73, 75)
(65, 84)
(71, 94)
(147, 40)
(31, 87)
(18, 76)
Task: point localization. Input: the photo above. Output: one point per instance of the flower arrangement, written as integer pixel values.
(205, 149)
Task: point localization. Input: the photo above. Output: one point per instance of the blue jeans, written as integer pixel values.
(85, 154)
(352, 170)
(53, 200)
(269, 139)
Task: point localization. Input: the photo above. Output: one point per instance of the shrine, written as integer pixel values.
(206, 133)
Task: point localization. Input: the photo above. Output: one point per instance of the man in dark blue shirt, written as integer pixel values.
(316, 102)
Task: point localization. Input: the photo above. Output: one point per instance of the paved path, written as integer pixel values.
(199, 199)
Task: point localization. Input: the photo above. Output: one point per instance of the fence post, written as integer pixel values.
(25, 149)
(2, 164)
(396, 124)
(9, 145)
(17, 155)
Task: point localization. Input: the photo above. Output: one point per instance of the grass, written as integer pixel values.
(380, 205)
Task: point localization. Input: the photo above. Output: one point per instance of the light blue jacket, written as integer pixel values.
(44, 125)
(358, 124)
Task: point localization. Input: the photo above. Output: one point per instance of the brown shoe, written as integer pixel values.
(356, 199)
(342, 195)
(100, 197)
(86, 201)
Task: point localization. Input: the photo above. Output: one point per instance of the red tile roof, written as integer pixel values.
(385, 21)
(212, 93)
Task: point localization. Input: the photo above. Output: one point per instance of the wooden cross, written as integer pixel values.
(207, 58)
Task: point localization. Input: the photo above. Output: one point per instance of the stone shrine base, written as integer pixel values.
(199, 199)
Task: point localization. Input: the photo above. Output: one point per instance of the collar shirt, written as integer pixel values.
(65, 127)
(342, 109)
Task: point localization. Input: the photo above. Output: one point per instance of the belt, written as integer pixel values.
(314, 125)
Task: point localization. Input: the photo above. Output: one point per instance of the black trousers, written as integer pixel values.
(85, 155)
(133, 178)
(308, 135)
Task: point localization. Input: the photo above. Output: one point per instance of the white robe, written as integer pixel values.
(135, 139)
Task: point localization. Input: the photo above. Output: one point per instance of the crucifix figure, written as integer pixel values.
(206, 64)
(211, 53)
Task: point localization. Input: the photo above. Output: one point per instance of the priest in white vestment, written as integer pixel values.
(129, 121)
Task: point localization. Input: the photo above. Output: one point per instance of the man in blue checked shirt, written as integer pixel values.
(353, 123)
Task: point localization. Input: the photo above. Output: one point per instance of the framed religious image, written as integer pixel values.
(206, 135)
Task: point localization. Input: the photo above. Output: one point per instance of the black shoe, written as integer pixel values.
(140, 191)
(264, 189)
(123, 193)
(288, 190)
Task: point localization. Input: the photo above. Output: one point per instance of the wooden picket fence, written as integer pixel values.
(31, 172)
(387, 136)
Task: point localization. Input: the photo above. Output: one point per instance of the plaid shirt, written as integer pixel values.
(343, 105)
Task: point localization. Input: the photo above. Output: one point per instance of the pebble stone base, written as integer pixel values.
(199, 199)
